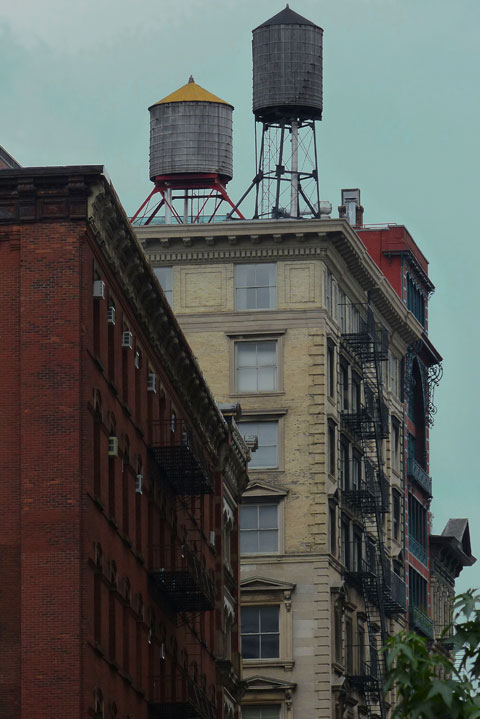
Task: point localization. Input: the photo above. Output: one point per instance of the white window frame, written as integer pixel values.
(256, 286)
(257, 366)
(167, 283)
(258, 529)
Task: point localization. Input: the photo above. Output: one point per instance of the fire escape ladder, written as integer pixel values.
(371, 427)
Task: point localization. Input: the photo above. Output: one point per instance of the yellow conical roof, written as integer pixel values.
(191, 92)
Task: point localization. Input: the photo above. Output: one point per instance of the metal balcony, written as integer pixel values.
(179, 574)
(362, 342)
(179, 697)
(362, 574)
(419, 622)
(394, 593)
(181, 456)
(418, 475)
(363, 668)
(417, 549)
(369, 494)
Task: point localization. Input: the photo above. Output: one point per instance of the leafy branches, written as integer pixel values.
(429, 684)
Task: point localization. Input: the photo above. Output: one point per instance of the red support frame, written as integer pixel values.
(211, 182)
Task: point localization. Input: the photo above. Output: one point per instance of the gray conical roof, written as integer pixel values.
(287, 16)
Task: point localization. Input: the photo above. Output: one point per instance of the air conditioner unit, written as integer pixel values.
(137, 360)
(212, 538)
(111, 315)
(163, 650)
(151, 382)
(127, 340)
(139, 484)
(113, 446)
(99, 290)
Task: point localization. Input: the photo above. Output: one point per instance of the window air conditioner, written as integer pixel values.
(99, 290)
(127, 340)
(163, 650)
(111, 315)
(212, 538)
(151, 382)
(113, 446)
(139, 484)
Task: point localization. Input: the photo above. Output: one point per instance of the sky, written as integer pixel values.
(401, 122)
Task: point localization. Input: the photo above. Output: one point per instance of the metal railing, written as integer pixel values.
(419, 621)
(416, 548)
(179, 697)
(418, 474)
(178, 451)
(180, 574)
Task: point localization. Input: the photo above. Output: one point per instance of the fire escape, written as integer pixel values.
(383, 591)
(178, 570)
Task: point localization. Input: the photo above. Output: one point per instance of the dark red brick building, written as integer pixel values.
(121, 476)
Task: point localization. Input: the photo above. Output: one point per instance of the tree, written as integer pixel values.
(434, 684)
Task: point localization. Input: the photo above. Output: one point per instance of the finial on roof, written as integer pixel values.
(190, 79)
(288, 6)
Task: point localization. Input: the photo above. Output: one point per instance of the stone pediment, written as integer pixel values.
(256, 488)
(261, 683)
(265, 584)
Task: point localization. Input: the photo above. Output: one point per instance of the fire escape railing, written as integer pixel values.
(416, 473)
(181, 576)
(179, 697)
(383, 591)
(180, 455)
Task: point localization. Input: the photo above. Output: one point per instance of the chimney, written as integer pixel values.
(351, 209)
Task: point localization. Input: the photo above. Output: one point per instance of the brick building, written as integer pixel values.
(122, 477)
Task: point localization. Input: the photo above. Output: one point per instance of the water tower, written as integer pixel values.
(191, 158)
(287, 102)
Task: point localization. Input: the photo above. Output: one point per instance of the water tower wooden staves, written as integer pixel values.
(191, 158)
(287, 101)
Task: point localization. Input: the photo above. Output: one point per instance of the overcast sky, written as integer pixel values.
(401, 121)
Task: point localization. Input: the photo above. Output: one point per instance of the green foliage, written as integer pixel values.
(429, 684)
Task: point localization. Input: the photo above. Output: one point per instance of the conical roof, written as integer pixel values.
(287, 16)
(191, 92)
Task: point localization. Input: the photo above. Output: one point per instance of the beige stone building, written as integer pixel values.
(295, 321)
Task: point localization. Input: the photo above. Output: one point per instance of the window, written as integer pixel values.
(261, 711)
(255, 287)
(417, 587)
(256, 366)
(328, 291)
(266, 456)
(346, 555)
(344, 466)
(415, 299)
(396, 515)
(394, 375)
(349, 645)
(332, 514)
(356, 470)
(342, 310)
(417, 529)
(357, 549)
(338, 631)
(344, 399)
(356, 392)
(331, 449)
(164, 276)
(395, 445)
(260, 632)
(331, 368)
(258, 528)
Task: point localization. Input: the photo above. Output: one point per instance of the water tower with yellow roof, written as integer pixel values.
(191, 157)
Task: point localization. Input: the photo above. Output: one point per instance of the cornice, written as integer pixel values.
(278, 239)
(120, 247)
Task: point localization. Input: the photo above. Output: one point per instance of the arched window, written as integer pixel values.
(112, 466)
(97, 593)
(111, 338)
(98, 704)
(97, 448)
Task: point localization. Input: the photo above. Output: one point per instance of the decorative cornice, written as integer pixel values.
(237, 241)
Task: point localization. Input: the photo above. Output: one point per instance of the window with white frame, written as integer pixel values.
(261, 711)
(258, 528)
(165, 277)
(256, 287)
(256, 366)
(266, 455)
(260, 632)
